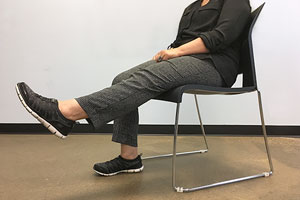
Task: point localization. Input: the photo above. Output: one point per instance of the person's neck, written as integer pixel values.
(204, 2)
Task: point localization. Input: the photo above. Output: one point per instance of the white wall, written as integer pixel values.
(69, 48)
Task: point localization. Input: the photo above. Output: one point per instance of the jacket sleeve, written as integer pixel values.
(231, 22)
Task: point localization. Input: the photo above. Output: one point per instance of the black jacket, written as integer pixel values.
(219, 24)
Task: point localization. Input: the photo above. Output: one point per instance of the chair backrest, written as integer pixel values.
(247, 65)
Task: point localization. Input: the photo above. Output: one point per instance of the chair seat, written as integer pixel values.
(175, 95)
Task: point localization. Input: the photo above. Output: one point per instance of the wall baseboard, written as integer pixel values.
(11, 128)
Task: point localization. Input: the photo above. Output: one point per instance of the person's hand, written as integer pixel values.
(166, 55)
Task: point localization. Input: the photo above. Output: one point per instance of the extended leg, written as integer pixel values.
(123, 97)
(145, 84)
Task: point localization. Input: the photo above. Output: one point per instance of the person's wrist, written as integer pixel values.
(179, 52)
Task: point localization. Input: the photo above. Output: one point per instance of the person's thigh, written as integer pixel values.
(183, 70)
(126, 74)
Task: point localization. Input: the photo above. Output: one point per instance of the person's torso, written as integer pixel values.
(197, 18)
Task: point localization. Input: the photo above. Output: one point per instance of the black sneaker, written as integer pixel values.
(45, 110)
(119, 165)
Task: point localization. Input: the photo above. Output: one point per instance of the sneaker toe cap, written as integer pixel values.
(23, 89)
(100, 168)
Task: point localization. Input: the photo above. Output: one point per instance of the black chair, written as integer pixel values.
(247, 68)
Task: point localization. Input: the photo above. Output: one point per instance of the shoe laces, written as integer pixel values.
(116, 164)
(45, 98)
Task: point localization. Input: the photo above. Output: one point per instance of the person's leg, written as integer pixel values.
(135, 87)
(121, 98)
(142, 85)
(125, 128)
(72, 110)
(128, 152)
(145, 84)
(154, 79)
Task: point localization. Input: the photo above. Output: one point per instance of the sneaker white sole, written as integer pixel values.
(122, 171)
(51, 128)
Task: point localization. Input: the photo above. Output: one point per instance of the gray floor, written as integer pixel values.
(45, 167)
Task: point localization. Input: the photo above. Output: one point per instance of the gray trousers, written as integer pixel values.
(134, 87)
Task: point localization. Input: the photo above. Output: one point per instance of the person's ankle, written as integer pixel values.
(72, 110)
(129, 156)
(65, 111)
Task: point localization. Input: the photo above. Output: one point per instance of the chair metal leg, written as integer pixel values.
(187, 152)
(174, 147)
(264, 174)
(182, 189)
(201, 124)
(178, 154)
(264, 131)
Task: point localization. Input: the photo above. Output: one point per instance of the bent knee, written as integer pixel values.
(119, 78)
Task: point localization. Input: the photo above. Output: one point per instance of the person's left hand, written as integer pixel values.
(166, 55)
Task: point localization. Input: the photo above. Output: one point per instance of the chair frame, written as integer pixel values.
(229, 91)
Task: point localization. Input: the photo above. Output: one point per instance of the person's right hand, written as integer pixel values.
(166, 55)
